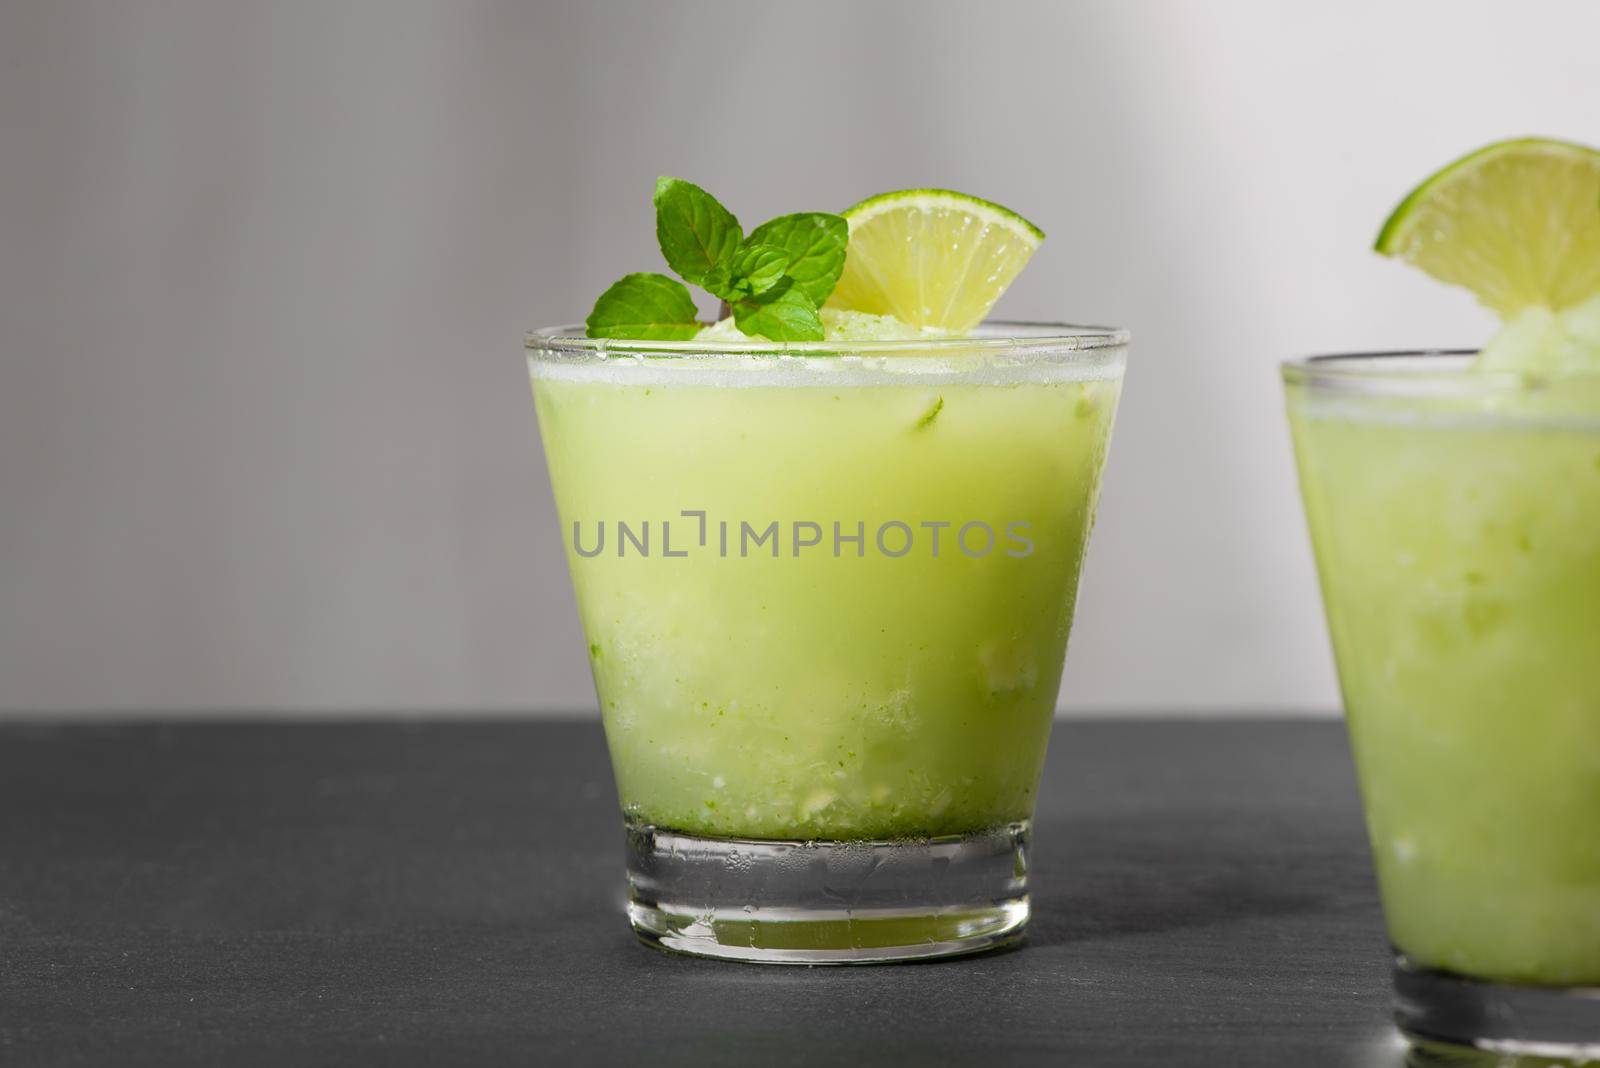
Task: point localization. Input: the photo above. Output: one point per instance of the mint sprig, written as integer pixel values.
(775, 280)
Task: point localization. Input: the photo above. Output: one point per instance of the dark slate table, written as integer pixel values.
(431, 892)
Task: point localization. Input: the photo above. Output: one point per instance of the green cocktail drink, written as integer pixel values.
(1454, 505)
(826, 553)
(1457, 527)
(827, 597)
(884, 661)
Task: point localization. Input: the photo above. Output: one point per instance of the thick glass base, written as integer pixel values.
(777, 902)
(1453, 1020)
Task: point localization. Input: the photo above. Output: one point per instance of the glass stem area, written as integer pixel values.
(819, 902)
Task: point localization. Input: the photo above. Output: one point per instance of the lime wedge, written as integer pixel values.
(1518, 223)
(931, 257)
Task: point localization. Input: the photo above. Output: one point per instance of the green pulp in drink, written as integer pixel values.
(836, 690)
(1459, 551)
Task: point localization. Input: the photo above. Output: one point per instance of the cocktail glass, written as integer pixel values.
(826, 589)
(1456, 520)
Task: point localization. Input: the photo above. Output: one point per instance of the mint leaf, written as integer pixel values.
(782, 313)
(646, 307)
(749, 272)
(815, 242)
(696, 233)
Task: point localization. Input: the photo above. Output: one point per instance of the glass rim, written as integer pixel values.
(1440, 384)
(992, 336)
(1384, 369)
(1418, 371)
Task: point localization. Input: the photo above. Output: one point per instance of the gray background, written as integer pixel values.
(265, 437)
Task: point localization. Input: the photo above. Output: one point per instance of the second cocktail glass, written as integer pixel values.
(1456, 520)
(827, 589)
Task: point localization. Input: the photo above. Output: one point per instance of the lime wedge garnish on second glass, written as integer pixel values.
(932, 257)
(1517, 223)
